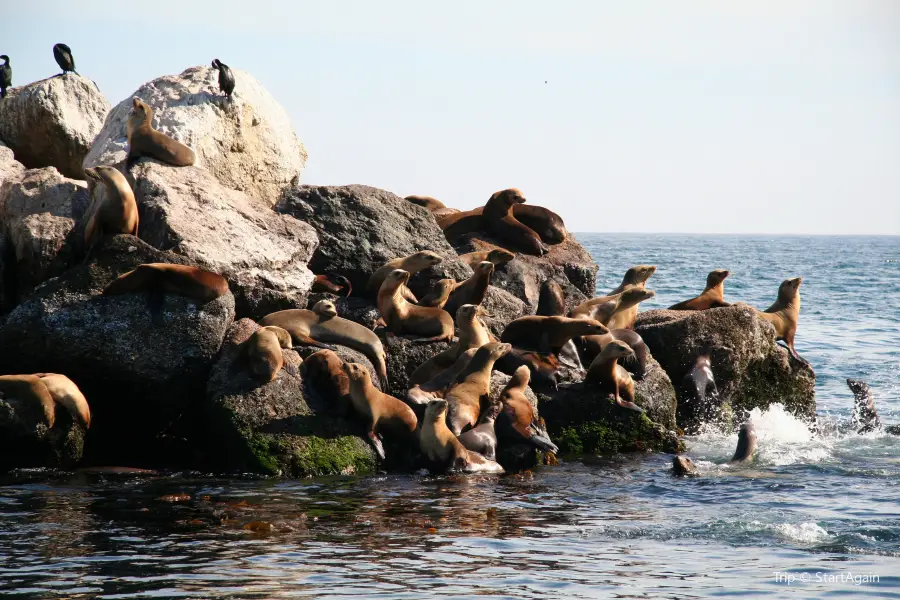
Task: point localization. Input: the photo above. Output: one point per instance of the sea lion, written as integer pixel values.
(682, 466)
(544, 367)
(500, 220)
(332, 284)
(5, 75)
(699, 394)
(412, 264)
(517, 421)
(401, 317)
(472, 334)
(746, 445)
(472, 290)
(497, 256)
(191, 282)
(611, 377)
(112, 211)
(543, 221)
(426, 202)
(864, 414)
(713, 295)
(324, 376)
(64, 392)
(378, 410)
(31, 390)
(470, 392)
(439, 294)
(439, 384)
(64, 58)
(636, 276)
(785, 313)
(592, 345)
(548, 334)
(552, 301)
(226, 77)
(607, 308)
(444, 450)
(263, 351)
(482, 438)
(143, 140)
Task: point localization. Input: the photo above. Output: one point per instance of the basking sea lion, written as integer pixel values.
(439, 384)
(611, 377)
(544, 367)
(412, 264)
(112, 211)
(64, 391)
(784, 314)
(636, 276)
(263, 351)
(197, 284)
(439, 294)
(64, 58)
(472, 290)
(470, 392)
(426, 202)
(442, 447)
(29, 389)
(699, 394)
(548, 334)
(472, 334)
(517, 421)
(324, 376)
(592, 345)
(332, 284)
(713, 295)
(401, 317)
(746, 445)
(143, 140)
(5, 75)
(500, 220)
(546, 223)
(497, 256)
(482, 438)
(379, 410)
(226, 77)
(552, 301)
(606, 309)
(864, 414)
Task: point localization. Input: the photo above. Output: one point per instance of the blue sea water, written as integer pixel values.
(815, 516)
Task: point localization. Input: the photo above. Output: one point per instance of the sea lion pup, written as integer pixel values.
(263, 351)
(64, 392)
(746, 445)
(5, 75)
(517, 421)
(611, 377)
(426, 202)
(546, 223)
(444, 450)
(112, 212)
(323, 374)
(713, 295)
(636, 276)
(497, 256)
(682, 466)
(31, 390)
(412, 264)
(472, 290)
(784, 314)
(330, 283)
(226, 77)
(864, 414)
(470, 392)
(548, 334)
(191, 282)
(379, 410)
(64, 58)
(698, 389)
(499, 219)
(401, 317)
(439, 294)
(472, 334)
(437, 386)
(143, 140)
(482, 438)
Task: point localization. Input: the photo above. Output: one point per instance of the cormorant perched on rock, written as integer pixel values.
(226, 77)
(5, 75)
(64, 58)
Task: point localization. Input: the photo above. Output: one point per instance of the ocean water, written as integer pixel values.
(815, 516)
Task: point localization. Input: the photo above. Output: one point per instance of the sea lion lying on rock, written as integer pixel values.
(442, 448)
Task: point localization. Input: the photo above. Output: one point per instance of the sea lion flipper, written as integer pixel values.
(629, 405)
(305, 340)
(376, 443)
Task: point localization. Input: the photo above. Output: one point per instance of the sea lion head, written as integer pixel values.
(492, 411)
(636, 295)
(590, 327)
(508, 197)
(485, 267)
(467, 313)
(498, 350)
(425, 259)
(500, 256)
(325, 309)
(92, 174)
(638, 274)
(284, 338)
(716, 277)
(858, 387)
(617, 349)
(520, 376)
(436, 410)
(397, 277)
(355, 372)
(789, 289)
(682, 466)
(140, 109)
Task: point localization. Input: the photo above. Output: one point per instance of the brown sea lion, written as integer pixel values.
(143, 140)
(379, 410)
(612, 378)
(785, 313)
(500, 220)
(113, 210)
(439, 384)
(548, 334)
(412, 264)
(607, 308)
(746, 445)
(442, 447)
(472, 334)
(461, 222)
(713, 295)
(470, 392)
(544, 367)
(426, 202)
(191, 282)
(439, 294)
(682, 466)
(401, 317)
(517, 421)
(482, 438)
(552, 301)
(546, 223)
(324, 376)
(332, 284)
(636, 276)
(865, 415)
(64, 392)
(592, 345)
(29, 389)
(440, 213)
(263, 351)
(472, 290)
(497, 256)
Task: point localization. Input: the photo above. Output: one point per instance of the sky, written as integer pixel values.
(696, 116)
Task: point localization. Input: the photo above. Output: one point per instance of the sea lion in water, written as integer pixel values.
(324, 376)
(426, 202)
(401, 317)
(226, 77)
(746, 445)
(64, 391)
(332, 284)
(864, 414)
(379, 410)
(412, 264)
(64, 58)
(471, 390)
(263, 351)
(500, 220)
(143, 140)
(482, 438)
(785, 313)
(5, 75)
(713, 295)
(497, 256)
(699, 394)
(444, 450)
(439, 294)
(31, 390)
(472, 334)
(636, 276)
(682, 466)
(197, 284)
(112, 211)
(517, 421)
(548, 334)
(472, 290)
(611, 377)
(437, 386)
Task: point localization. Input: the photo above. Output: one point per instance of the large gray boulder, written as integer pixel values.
(247, 143)
(263, 254)
(10, 170)
(53, 122)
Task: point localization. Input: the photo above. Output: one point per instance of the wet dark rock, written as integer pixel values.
(26, 442)
(403, 357)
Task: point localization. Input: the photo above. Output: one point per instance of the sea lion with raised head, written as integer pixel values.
(472, 290)
(785, 313)
(401, 317)
(713, 295)
(746, 445)
(113, 210)
(439, 384)
(439, 294)
(864, 414)
(226, 77)
(552, 301)
(323, 375)
(191, 282)
(426, 202)
(31, 392)
(544, 367)
(682, 466)
(412, 264)
(482, 438)
(592, 345)
(378, 410)
(470, 392)
(143, 140)
(263, 351)
(64, 392)
(636, 276)
(606, 309)
(497, 256)
(548, 334)
(442, 448)
(500, 220)
(64, 58)
(611, 377)
(517, 421)
(472, 334)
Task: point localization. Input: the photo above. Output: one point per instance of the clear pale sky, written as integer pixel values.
(691, 116)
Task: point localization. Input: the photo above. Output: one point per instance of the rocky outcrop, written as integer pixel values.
(405, 356)
(501, 308)
(263, 254)
(360, 228)
(750, 369)
(27, 442)
(247, 143)
(11, 170)
(656, 395)
(53, 122)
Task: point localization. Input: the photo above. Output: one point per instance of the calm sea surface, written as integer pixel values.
(816, 516)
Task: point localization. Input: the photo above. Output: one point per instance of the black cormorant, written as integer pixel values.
(226, 77)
